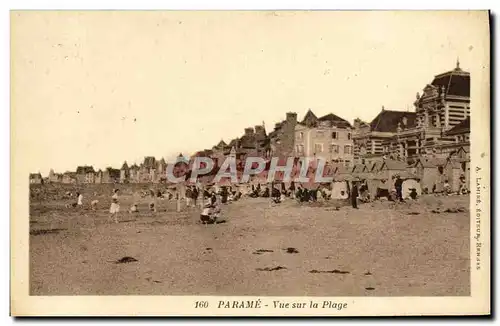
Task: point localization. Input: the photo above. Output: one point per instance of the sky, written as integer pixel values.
(99, 88)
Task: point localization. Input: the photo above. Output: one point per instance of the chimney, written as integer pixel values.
(291, 117)
(248, 131)
(259, 129)
(357, 123)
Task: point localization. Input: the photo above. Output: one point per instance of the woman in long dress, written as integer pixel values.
(115, 206)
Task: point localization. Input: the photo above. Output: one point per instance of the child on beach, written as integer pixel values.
(211, 212)
(93, 204)
(134, 208)
(115, 207)
(79, 197)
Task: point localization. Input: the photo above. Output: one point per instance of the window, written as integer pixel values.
(318, 148)
(320, 134)
(300, 135)
(348, 136)
(300, 149)
(334, 148)
(334, 135)
(347, 149)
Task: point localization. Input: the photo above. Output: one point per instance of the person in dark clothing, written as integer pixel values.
(298, 194)
(195, 192)
(354, 195)
(213, 198)
(313, 194)
(413, 193)
(399, 188)
(224, 195)
(275, 193)
(306, 195)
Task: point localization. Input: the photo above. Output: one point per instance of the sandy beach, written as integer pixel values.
(290, 249)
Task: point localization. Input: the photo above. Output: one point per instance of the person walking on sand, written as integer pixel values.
(354, 195)
(115, 207)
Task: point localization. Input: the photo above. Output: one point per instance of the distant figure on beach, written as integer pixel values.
(115, 206)
(195, 194)
(275, 195)
(93, 204)
(398, 185)
(189, 196)
(413, 193)
(354, 195)
(152, 201)
(446, 187)
(298, 194)
(462, 188)
(211, 212)
(134, 208)
(292, 189)
(266, 193)
(79, 197)
(224, 195)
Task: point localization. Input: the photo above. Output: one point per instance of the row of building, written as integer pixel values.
(438, 128)
(150, 171)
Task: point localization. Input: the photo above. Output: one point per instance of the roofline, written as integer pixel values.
(453, 72)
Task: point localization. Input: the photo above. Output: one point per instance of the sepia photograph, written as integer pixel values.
(250, 162)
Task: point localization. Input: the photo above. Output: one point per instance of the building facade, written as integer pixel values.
(444, 104)
(54, 177)
(282, 138)
(69, 177)
(36, 178)
(124, 173)
(329, 137)
(405, 136)
(85, 174)
(372, 140)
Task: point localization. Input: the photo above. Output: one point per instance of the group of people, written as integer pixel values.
(312, 195)
(462, 186)
(211, 211)
(359, 191)
(279, 192)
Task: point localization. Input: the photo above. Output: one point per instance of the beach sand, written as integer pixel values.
(381, 249)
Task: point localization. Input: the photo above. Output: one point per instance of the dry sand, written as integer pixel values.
(378, 250)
